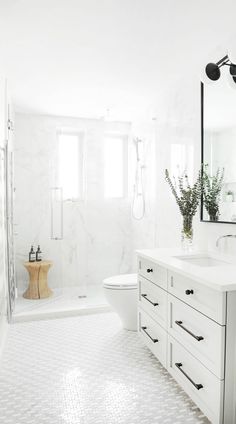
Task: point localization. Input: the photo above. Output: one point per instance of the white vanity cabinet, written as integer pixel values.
(191, 328)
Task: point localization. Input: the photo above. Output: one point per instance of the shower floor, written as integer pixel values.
(64, 302)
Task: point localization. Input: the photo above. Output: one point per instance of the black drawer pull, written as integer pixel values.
(180, 324)
(149, 270)
(150, 337)
(197, 386)
(189, 291)
(145, 297)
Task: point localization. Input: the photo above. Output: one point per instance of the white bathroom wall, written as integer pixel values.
(97, 231)
(179, 122)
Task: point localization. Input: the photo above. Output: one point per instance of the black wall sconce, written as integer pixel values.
(213, 69)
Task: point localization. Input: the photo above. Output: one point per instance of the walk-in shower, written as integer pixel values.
(81, 194)
(75, 203)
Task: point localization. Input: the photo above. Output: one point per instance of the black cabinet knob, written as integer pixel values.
(189, 291)
(149, 270)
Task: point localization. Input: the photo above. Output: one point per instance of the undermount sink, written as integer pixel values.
(202, 260)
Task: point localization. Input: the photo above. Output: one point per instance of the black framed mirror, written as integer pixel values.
(218, 152)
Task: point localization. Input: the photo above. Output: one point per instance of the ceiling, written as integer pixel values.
(106, 57)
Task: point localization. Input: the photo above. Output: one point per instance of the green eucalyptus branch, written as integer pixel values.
(211, 190)
(187, 197)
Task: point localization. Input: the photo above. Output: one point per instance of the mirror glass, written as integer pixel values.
(219, 151)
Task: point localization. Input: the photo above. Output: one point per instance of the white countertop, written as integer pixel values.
(220, 277)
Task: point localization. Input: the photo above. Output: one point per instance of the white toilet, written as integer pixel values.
(121, 294)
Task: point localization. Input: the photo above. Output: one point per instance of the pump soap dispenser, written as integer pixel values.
(32, 255)
(38, 254)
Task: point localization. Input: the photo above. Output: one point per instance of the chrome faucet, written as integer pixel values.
(221, 237)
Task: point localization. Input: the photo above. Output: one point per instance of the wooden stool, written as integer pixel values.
(38, 285)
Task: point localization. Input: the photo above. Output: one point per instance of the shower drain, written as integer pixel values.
(82, 296)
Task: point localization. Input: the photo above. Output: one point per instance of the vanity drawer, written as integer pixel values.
(210, 302)
(201, 336)
(153, 272)
(153, 300)
(205, 389)
(154, 336)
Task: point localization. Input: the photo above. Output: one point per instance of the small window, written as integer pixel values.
(115, 166)
(70, 165)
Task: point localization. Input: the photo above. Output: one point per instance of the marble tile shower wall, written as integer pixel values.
(99, 235)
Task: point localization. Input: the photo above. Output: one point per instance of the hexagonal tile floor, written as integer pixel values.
(86, 370)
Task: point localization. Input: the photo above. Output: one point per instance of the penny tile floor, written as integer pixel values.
(86, 370)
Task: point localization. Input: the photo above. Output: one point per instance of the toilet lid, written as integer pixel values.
(123, 281)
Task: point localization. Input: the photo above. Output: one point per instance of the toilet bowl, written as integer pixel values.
(121, 293)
